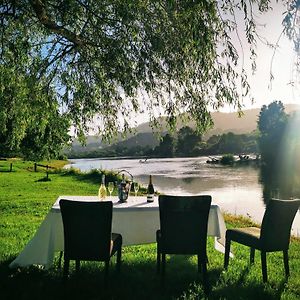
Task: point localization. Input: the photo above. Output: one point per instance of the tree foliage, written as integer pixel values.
(231, 143)
(279, 143)
(272, 125)
(187, 141)
(33, 128)
(112, 59)
(166, 147)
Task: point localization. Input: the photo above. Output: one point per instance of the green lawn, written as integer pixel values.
(25, 199)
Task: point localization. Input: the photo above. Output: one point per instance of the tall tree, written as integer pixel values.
(272, 123)
(114, 58)
(187, 141)
(166, 147)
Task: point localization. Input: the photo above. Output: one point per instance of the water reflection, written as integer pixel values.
(237, 190)
(279, 184)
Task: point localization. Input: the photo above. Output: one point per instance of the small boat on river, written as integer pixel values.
(143, 161)
(213, 160)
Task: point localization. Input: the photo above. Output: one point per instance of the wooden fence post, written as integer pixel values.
(47, 171)
(35, 169)
(10, 170)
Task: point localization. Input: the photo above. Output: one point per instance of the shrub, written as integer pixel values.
(227, 159)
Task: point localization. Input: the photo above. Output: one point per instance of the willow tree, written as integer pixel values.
(114, 58)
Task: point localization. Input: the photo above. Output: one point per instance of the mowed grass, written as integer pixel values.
(25, 199)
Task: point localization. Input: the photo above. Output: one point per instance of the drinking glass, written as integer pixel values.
(111, 186)
(136, 188)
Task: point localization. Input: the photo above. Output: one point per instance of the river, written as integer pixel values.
(236, 190)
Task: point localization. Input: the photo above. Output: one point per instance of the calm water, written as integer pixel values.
(236, 190)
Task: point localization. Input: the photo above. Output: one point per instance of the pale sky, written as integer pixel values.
(283, 66)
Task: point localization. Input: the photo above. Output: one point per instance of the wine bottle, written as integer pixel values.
(102, 189)
(150, 190)
(122, 190)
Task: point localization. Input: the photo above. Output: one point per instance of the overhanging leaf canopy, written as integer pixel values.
(112, 58)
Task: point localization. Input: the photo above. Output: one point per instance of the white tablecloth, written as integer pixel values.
(136, 220)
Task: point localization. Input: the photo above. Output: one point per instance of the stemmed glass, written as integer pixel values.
(136, 188)
(111, 186)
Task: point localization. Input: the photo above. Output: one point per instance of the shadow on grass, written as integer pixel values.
(44, 179)
(252, 290)
(137, 280)
(243, 288)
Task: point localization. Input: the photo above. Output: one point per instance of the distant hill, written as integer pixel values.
(93, 143)
(226, 122)
(142, 139)
(223, 123)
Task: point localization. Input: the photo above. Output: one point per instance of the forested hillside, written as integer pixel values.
(144, 137)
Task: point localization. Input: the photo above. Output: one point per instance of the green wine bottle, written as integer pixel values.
(150, 190)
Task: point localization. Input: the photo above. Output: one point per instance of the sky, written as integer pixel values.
(263, 91)
(283, 64)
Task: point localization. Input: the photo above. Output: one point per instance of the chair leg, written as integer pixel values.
(286, 262)
(162, 270)
(106, 268)
(77, 265)
(205, 277)
(201, 260)
(227, 251)
(199, 263)
(106, 272)
(66, 268)
(163, 264)
(119, 256)
(264, 265)
(60, 258)
(252, 255)
(158, 259)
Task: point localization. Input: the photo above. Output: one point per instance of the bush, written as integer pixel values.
(227, 159)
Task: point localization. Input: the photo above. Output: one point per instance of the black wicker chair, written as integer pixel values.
(87, 233)
(274, 234)
(183, 230)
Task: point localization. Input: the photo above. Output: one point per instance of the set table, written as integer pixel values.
(135, 219)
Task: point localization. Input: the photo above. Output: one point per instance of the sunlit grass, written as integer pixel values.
(24, 203)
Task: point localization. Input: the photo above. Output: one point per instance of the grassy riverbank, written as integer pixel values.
(25, 199)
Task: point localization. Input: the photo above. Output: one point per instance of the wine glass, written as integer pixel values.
(111, 186)
(136, 188)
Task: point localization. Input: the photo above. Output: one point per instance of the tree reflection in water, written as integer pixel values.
(279, 182)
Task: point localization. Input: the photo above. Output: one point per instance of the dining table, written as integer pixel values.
(137, 221)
